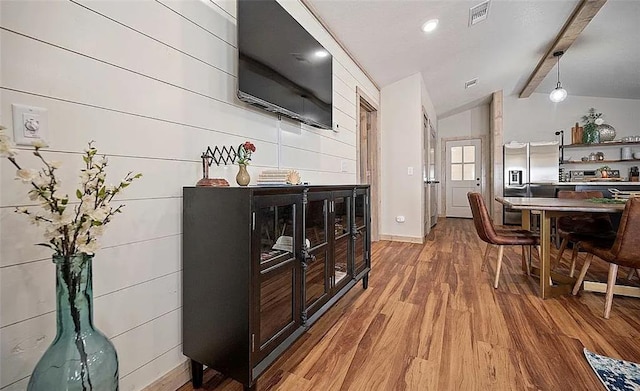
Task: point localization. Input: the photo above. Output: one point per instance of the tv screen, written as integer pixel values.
(281, 67)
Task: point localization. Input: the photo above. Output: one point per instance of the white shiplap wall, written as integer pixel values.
(153, 83)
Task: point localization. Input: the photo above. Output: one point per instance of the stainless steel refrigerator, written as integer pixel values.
(530, 170)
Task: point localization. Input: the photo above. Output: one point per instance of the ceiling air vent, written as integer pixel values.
(478, 13)
(471, 83)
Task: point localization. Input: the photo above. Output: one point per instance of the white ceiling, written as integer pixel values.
(384, 36)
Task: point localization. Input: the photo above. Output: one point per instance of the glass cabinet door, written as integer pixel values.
(276, 271)
(316, 249)
(361, 216)
(342, 269)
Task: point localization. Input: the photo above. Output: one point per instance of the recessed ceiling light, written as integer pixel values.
(321, 53)
(430, 25)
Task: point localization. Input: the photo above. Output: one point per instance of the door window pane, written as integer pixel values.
(469, 171)
(361, 207)
(276, 304)
(341, 257)
(456, 172)
(316, 222)
(469, 153)
(456, 154)
(316, 277)
(360, 250)
(276, 231)
(342, 224)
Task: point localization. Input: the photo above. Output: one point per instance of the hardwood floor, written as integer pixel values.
(431, 320)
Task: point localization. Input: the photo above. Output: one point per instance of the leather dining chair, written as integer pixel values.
(588, 226)
(498, 235)
(623, 252)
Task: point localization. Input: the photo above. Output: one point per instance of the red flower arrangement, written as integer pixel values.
(244, 152)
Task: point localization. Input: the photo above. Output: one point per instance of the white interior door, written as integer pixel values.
(463, 160)
(434, 184)
(425, 175)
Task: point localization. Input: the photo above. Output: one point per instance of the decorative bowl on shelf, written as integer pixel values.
(607, 132)
(636, 155)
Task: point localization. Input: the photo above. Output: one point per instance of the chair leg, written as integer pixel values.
(500, 253)
(485, 257)
(632, 271)
(583, 272)
(574, 257)
(611, 283)
(558, 260)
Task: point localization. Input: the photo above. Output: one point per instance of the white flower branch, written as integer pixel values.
(69, 232)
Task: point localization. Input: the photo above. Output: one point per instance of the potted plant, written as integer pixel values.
(591, 135)
(603, 172)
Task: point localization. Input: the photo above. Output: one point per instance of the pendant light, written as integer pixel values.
(558, 94)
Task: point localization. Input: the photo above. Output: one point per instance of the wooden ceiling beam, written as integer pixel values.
(579, 19)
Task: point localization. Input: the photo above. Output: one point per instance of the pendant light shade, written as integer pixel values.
(558, 94)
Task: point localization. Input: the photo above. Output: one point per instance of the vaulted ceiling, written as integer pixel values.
(502, 51)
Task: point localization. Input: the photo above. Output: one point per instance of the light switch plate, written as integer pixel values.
(29, 124)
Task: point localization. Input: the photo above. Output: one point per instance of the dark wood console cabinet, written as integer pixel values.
(261, 265)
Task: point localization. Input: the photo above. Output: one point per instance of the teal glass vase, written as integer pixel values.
(80, 357)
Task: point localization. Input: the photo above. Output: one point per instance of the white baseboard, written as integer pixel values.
(397, 238)
(173, 379)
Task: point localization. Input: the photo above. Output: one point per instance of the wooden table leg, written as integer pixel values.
(526, 224)
(545, 257)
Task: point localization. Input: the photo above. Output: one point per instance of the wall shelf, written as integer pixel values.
(611, 144)
(599, 161)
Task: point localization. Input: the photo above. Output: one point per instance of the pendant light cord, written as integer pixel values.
(558, 85)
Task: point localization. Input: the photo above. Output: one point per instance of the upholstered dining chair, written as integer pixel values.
(500, 236)
(623, 252)
(588, 226)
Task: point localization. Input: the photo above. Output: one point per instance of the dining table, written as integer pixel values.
(554, 284)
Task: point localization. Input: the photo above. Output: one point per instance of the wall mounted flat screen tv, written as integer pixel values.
(281, 67)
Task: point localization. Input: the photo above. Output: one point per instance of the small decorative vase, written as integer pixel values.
(590, 134)
(80, 357)
(607, 132)
(243, 177)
